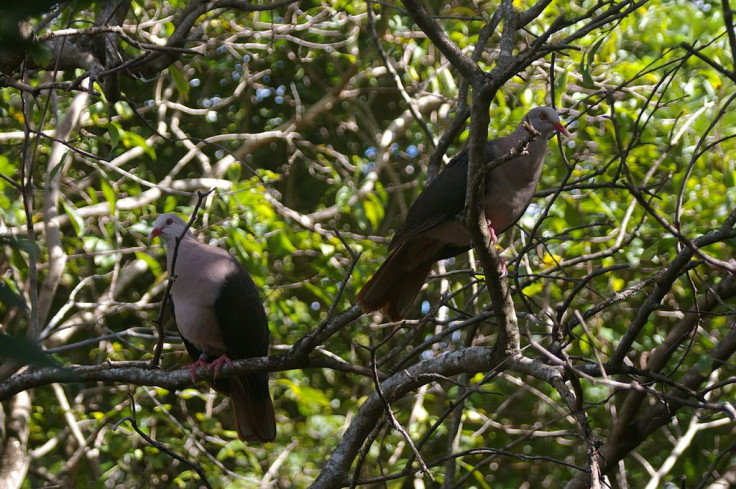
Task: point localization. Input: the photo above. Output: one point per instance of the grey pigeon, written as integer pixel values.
(434, 227)
(221, 318)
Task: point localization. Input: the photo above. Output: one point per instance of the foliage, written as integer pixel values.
(315, 123)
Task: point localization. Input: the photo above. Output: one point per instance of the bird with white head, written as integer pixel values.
(220, 316)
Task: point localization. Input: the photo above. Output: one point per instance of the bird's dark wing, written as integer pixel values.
(442, 200)
(244, 326)
(241, 316)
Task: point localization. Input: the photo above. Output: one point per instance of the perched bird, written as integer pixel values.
(434, 227)
(221, 318)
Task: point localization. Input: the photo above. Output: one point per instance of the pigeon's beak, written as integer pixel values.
(154, 232)
(561, 129)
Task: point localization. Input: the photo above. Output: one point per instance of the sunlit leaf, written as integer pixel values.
(109, 193)
(75, 218)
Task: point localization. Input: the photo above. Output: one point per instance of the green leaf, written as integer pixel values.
(93, 243)
(319, 292)
(109, 193)
(572, 213)
(54, 171)
(730, 179)
(98, 88)
(152, 263)
(113, 130)
(181, 83)
(585, 66)
(309, 399)
(343, 194)
(132, 139)
(41, 54)
(373, 209)
(23, 244)
(533, 289)
(705, 364)
(75, 218)
(123, 109)
(279, 243)
(7, 169)
(170, 203)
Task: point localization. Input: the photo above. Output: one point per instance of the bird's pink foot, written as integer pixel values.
(492, 232)
(504, 270)
(217, 364)
(201, 362)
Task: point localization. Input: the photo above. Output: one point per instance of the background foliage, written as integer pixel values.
(315, 122)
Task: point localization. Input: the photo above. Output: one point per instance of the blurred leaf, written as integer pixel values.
(152, 263)
(279, 243)
(94, 244)
(75, 218)
(113, 130)
(109, 193)
(182, 85)
(131, 139)
(309, 400)
(705, 364)
(123, 109)
(586, 63)
(373, 210)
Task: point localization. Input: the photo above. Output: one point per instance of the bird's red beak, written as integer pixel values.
(561, 129)
(154, 232)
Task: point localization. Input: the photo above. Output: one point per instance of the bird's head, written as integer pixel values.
(546, 121)
(168, 226)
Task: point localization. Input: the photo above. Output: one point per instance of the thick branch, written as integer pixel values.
(464, 64)
(623, 441)
(508, 328)
(140, 373)
(14, 462)
(468, 360)
(662, 287)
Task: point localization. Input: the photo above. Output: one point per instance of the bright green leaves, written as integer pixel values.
(372, 210)
(309, 399)
(587, 61)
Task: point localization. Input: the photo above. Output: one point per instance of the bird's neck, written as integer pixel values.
(521, 132)
(171, 248)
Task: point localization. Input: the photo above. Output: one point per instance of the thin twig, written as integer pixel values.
(392, 419)
(354, 257)
(161, 447)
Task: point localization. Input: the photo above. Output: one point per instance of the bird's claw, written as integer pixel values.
(193, 368)
(217, 364)
(492, 232)
(202, 362)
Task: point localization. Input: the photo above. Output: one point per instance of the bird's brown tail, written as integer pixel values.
(393, 288)
(254, 417)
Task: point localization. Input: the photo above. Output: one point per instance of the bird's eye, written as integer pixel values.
(543, 116)
(169, 221)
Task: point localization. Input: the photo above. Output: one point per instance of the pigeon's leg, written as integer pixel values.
(494, 240)
(217, 364)
(201, 362)
(504, 270)
(491, 231)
